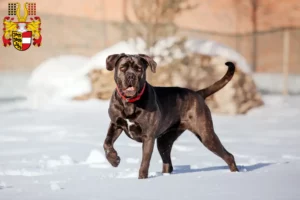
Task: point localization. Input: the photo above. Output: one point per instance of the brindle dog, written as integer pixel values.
(145, 112)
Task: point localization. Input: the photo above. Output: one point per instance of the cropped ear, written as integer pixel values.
(112, 60)
(149, 62)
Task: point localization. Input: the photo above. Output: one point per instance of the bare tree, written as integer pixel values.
(254, 6)
(156, 18)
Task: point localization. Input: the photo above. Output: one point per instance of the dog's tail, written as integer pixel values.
(219, 84)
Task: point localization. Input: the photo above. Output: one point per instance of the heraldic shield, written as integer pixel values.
(22, 30)
(22, 41)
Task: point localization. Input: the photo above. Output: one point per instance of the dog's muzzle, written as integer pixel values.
(130, 79)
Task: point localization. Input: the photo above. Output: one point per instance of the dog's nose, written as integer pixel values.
(130, 77)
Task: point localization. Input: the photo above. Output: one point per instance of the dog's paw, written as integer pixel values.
(113, 159)
(167, 168)
(143, 175)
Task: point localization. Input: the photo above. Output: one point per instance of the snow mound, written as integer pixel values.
(161, 49)
(56, 79)
(54, 185)
(64, 77)
(98, 61)
(213, 48)
(95, 157)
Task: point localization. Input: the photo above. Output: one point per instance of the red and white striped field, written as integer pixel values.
(26, 40)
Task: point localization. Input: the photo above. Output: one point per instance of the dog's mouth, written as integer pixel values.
(129, 88)
(129, 91)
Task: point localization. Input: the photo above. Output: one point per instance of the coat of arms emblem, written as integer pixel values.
(22, 33)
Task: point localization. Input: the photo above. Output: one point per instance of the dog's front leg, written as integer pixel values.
(148, 143)
(110, 152)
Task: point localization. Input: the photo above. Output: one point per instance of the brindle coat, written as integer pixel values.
(162, 113)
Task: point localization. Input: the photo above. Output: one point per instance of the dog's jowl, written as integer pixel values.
(146, 113)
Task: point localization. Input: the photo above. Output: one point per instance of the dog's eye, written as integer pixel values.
(123, 68)
(139, 69)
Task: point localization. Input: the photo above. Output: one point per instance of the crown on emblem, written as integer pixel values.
(24, 17)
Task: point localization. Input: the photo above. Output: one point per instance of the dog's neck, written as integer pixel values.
(131, 100)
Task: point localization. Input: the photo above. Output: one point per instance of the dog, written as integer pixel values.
(146, 113)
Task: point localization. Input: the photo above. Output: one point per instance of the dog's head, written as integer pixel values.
(130, 71)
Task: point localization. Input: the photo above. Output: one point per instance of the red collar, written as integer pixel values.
(130, 100)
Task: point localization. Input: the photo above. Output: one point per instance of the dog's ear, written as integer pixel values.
(112, 60)
(149, 62)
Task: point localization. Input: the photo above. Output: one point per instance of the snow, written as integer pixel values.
(54, 185)
(98, 61)
(58, 78)
(182, 148)
(213, 48)
(273, 82)
(95, 157)
(55, 152)
(12, 85)
(137, 45)
(132, 160)
(51, 147)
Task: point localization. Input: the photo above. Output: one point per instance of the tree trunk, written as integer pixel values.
(254, 36)
(104, 21)
(285, 63)
(125, 19)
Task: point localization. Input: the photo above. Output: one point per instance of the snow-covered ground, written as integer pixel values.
(56, 153)
(51, 148)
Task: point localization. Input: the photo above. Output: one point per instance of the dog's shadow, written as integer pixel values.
(182, 169)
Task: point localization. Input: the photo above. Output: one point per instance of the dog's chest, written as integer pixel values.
(133, 130)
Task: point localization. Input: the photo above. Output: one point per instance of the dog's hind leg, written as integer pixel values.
(164, 146)
(204, 131)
